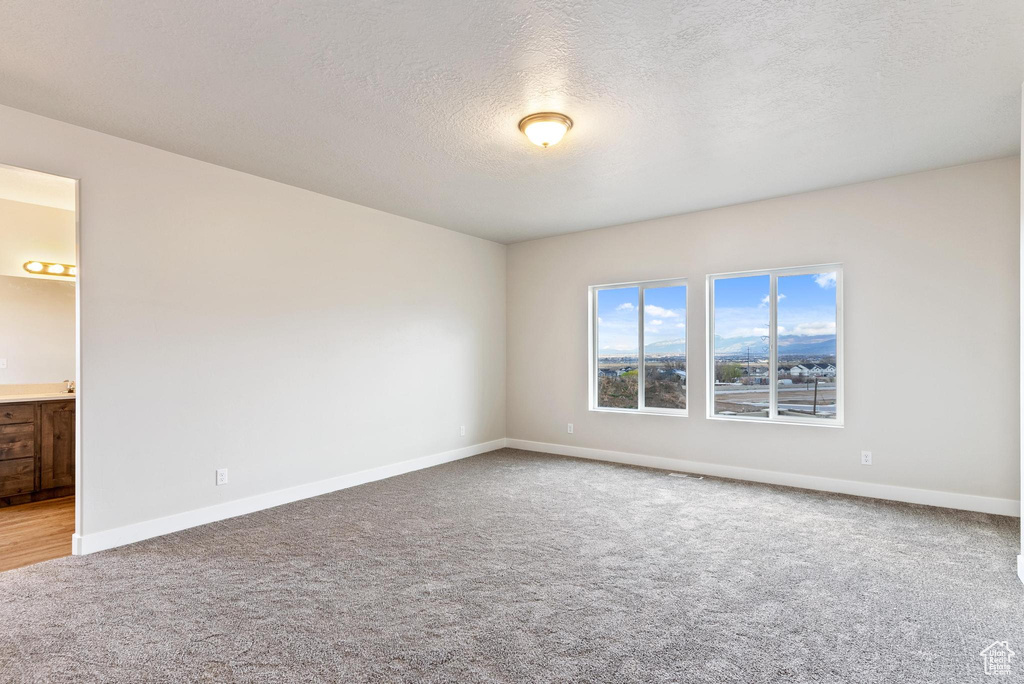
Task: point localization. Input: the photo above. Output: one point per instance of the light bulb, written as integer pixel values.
(34, 266)
(55, 269)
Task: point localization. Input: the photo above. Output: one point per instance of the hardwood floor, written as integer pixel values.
(35, 532)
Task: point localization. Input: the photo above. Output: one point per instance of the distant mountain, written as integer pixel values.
(811, 345)
(808, 345)
(738, 345)
(666, 347)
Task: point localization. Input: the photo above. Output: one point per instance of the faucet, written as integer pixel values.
(71, 386)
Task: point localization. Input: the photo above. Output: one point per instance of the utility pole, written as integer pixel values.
(814, 409)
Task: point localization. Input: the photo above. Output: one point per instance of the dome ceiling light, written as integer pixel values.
(545, 128)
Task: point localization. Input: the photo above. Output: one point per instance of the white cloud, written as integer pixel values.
(825, 279)
(747, 332)
(816, 328)
(680, 325)
(625, 306)
(764, 300)
(624, 349)
(658, 311)
(599, 320)
(740, 321)
(656, 322)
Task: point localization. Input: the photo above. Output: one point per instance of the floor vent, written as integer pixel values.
(689, 477)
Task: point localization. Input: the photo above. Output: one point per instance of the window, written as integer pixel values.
(638, 347)
(775, 345)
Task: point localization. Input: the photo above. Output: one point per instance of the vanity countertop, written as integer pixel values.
(25, 398)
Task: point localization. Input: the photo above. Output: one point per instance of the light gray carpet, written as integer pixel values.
(515, 567)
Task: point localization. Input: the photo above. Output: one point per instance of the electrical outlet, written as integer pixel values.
(462, 430)
(570, 428)
(222, 476)
(3, 363)
(865, 458)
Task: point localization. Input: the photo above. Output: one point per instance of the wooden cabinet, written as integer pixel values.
(37, 451)
(18, 441)
(17, 413)
(17, 476)
(57, 456)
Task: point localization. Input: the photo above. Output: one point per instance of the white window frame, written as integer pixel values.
(773, 330)
(592, 341)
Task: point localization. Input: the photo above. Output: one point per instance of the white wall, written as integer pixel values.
(231, 321)
(37, 330)
(30, 232)
(931, 279)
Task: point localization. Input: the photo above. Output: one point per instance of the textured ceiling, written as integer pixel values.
(411, 107)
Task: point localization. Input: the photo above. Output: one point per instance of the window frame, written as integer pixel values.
(773, 357)
(594, 356)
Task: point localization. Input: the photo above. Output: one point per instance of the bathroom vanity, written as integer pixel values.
(37, 447)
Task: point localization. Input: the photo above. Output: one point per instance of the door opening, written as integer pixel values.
(39, 464)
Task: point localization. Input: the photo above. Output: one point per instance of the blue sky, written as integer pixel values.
(664, 318)
(807, 308)
(807, 305)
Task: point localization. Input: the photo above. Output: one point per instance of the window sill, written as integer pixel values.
(644, 412)
(775, 421)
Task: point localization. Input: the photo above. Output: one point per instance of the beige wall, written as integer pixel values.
(931, 295)
(32, 232)
(37, 330)
(229, 321)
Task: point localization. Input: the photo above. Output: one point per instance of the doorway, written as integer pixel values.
(38, 366)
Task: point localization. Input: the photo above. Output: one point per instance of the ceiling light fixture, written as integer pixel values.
(545, 128)
(50, 268)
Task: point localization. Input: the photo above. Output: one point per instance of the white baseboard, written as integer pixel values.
(928, 497)
(128, 534)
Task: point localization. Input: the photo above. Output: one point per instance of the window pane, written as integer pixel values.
(807, 345)
(742, 378)
(618, 338)
(665, 347)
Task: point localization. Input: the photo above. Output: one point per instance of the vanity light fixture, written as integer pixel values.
(545, 128)
(49, 268)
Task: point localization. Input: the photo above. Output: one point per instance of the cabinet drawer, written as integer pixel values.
(17, 441)
(17, 476)
(17, 413)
